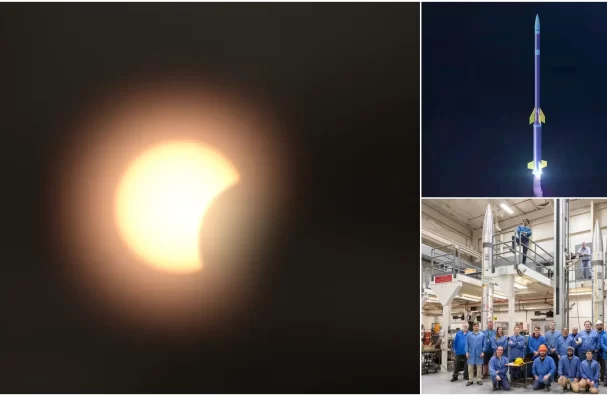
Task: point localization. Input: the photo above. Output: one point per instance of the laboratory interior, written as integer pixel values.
(514, 267)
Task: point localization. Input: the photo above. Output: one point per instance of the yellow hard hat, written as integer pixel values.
(519, 361)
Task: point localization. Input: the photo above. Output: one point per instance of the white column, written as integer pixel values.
(445, 293)
(506, 283)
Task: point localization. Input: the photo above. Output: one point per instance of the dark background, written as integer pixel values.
(345, 77)
(478, 93)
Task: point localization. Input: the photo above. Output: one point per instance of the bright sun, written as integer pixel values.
(162, 198)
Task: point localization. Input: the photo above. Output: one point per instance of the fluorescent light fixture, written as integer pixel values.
(471, 296)
(580, 294)
(506, 208)
(469, 299)
(499, 295)
(519, 286)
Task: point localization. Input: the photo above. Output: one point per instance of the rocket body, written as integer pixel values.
(537, 118)
(487, 282)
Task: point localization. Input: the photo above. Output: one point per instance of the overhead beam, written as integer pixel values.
(514, 221)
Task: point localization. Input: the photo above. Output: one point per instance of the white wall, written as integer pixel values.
(581, 227)
(445, 226)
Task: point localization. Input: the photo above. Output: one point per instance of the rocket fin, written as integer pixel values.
(542, 117)
(531, 165)
(543, 164)
(532, 117)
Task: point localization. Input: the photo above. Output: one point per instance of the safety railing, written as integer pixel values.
(447, 260)
(510, 251)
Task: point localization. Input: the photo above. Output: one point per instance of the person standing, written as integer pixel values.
(589, 373)
(573, 335)
(543, 370)
(516, 343)
(475, 343)
(587, 340)
(563, 343)
(497, 369)
(459, 351)
(488, 349)
(500, 340)
(604, 348)
(551, 337)
(600, 332)
(569, 370)
(521, 237)
(585, 253)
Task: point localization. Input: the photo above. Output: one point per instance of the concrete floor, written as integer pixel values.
(440, 383)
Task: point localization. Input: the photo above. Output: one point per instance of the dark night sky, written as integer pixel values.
(478, 93)
(344, 79)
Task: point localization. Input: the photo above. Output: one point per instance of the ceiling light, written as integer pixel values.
(469, 299)
(506, 208)
(471, 296)
(519, 286)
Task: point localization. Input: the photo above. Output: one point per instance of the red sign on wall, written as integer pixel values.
(443, 278)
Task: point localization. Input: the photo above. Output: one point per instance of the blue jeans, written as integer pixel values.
(586, 270)
(503, 382)
(541, 383)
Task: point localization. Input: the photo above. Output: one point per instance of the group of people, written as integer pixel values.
(574, 361)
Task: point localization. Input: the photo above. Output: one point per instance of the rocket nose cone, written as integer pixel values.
(597, 238)
(488, 225)
(537, 22)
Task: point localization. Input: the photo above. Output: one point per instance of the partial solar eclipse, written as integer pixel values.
(162, 198)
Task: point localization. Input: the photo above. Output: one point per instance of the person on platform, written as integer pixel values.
(551, 337)
(585, 253)
(589, 373)
(516, 343)
(475, 343)
(497, 370)
(488, 350)
(600, 332)
(587, 340)
(543, 370)
(569, 370)
(521, 237)
(459, 351)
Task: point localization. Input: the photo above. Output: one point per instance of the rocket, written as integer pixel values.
(487, 296)
(537, 118)
(598, 279)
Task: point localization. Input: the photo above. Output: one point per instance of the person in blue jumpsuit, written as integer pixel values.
(543, 370)
(488, 350)
(585, 253)
(587, 340)
(589, 373)
(498, 368)
(573, 335)
(569, 370)
(475, 343)
(551, 337)
(500, 340)
(604, 348)
(459, 351)
(521, 237)
(516, 345)
(563, 343)
(600, 332)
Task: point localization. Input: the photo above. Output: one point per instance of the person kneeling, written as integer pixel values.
(543, 370)
(590, 372)
(497, 370)
(569, 371)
